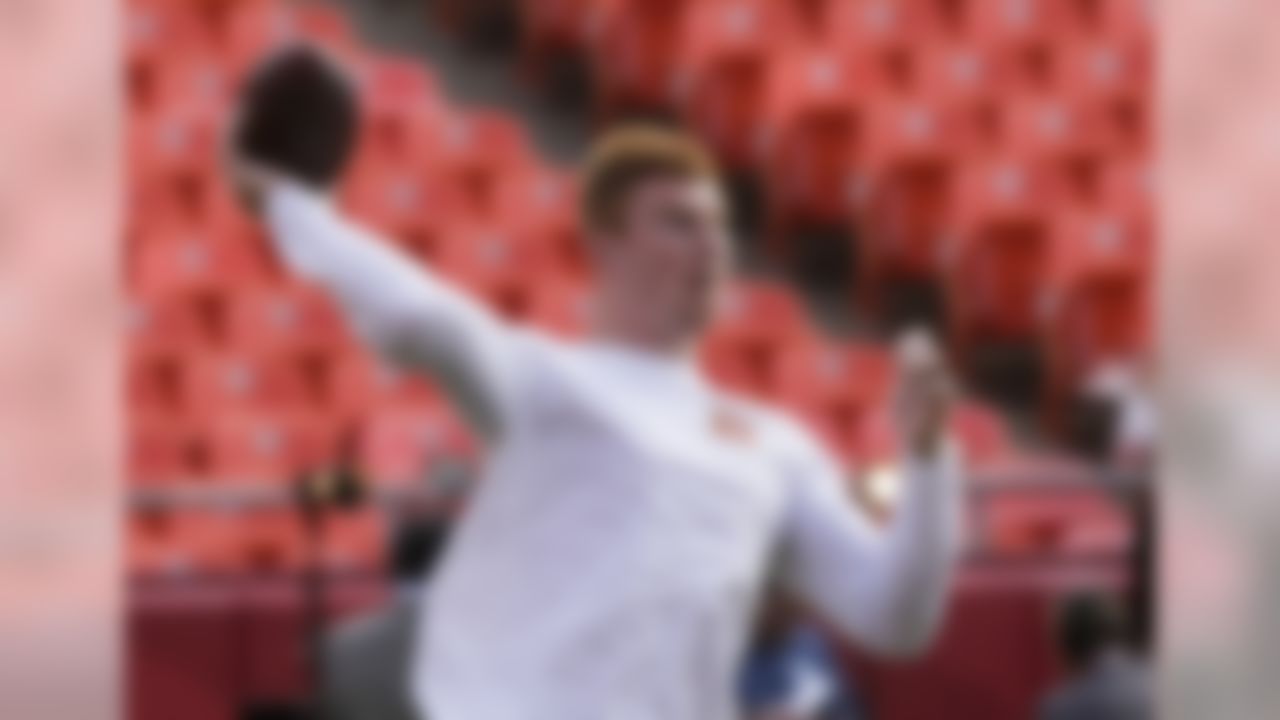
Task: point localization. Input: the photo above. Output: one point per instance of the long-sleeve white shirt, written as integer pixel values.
(630, 513)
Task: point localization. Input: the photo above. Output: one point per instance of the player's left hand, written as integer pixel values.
(924, 395)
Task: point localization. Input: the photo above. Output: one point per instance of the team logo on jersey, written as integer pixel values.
(729, 425)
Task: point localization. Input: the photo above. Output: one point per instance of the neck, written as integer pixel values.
(608, 329)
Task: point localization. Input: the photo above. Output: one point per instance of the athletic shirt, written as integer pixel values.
(629, 514)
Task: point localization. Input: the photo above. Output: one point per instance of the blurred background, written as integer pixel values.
(980, 166)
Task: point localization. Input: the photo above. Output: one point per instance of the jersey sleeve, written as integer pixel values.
(886, 588)
(402, 310)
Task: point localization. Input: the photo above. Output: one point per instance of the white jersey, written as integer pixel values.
(629, 515)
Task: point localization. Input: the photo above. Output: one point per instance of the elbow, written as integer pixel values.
(905, 630)
(908, 640)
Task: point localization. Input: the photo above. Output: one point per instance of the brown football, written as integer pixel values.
(299, 115)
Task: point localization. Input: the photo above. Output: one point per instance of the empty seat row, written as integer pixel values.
(174, 543)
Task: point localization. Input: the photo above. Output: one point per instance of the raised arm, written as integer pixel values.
(887, 588)
(884, 587)
(400, 309)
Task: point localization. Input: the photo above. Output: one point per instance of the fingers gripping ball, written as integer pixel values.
(925, 392)
(299, 116)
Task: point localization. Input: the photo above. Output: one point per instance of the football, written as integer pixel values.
(299, 116)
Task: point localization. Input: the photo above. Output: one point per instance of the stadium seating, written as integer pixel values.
(970, 143)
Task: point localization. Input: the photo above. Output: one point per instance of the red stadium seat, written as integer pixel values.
(283, 317)
(405, 202)
(180, 261)
(882, 33)
(154, 34)
(982, 432)
(354, 541)
(812, 135)
(913, 146)
(1095, 306)
(1063, 133)
(634, 46)
(725, 49)
(540, 205)
(1058, 522)
(269, 447)
(473, 150)
(269, 541)
(155, 379)
(1126, 187)
(1020, 34)
(1113, 18)
(1113, 78)
(552, 30)
(254, 29)
(173, 544)
(492, 258)
(161, 448)
(399, 444)
(173, 156)
(995, 262)
(402, 112)
(836, 387)
(231, 380)
(762, 314)
(356, 382)
(965, 77)
(744, 347)
(158, 322)
(561, 305)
